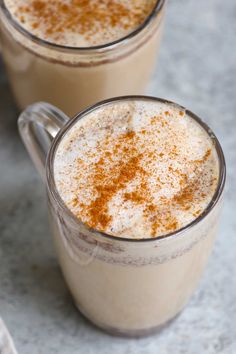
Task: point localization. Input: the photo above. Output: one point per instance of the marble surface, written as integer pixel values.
(197, 68)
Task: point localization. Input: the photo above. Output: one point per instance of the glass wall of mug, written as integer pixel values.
(126, 286)
(73, 78)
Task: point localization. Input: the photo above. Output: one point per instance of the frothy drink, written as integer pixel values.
(79, 23)
(136, 170)
(50, 49)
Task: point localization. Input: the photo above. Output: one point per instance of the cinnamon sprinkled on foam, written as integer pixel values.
(92, 21)
(132, 170)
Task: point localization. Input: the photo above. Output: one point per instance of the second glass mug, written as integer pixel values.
(128, 287)
(73, 78)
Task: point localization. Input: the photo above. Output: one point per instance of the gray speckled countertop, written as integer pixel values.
(197, 68)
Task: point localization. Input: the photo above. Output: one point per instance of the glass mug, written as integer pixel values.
(128, 287)
(73, 78)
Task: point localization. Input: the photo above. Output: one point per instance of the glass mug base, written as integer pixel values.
(128, 287)
(127, 333)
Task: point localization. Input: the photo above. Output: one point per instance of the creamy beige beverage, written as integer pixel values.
(50, 49)
(134, 189)
(140, 170)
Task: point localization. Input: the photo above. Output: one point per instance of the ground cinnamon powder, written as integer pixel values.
(109, 183)
(84, 17)
(120, 173)
(127, 166)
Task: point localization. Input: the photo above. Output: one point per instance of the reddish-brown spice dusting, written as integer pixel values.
(134, 197)
(204, 159)
(107, 185)
(186, 195)
(122, 161)
(85, 17)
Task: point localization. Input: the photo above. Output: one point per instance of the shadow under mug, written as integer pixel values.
(129, 287)
(73, 78)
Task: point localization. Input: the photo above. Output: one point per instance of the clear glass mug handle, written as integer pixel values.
(38, 126)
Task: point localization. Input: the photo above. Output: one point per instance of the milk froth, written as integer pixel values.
(80, 23)
(136, 169)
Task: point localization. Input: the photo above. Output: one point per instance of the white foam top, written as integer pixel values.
(136, 169)
(80, 23)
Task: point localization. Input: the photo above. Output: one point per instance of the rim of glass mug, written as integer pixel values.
(100, 48)
(63, 131)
